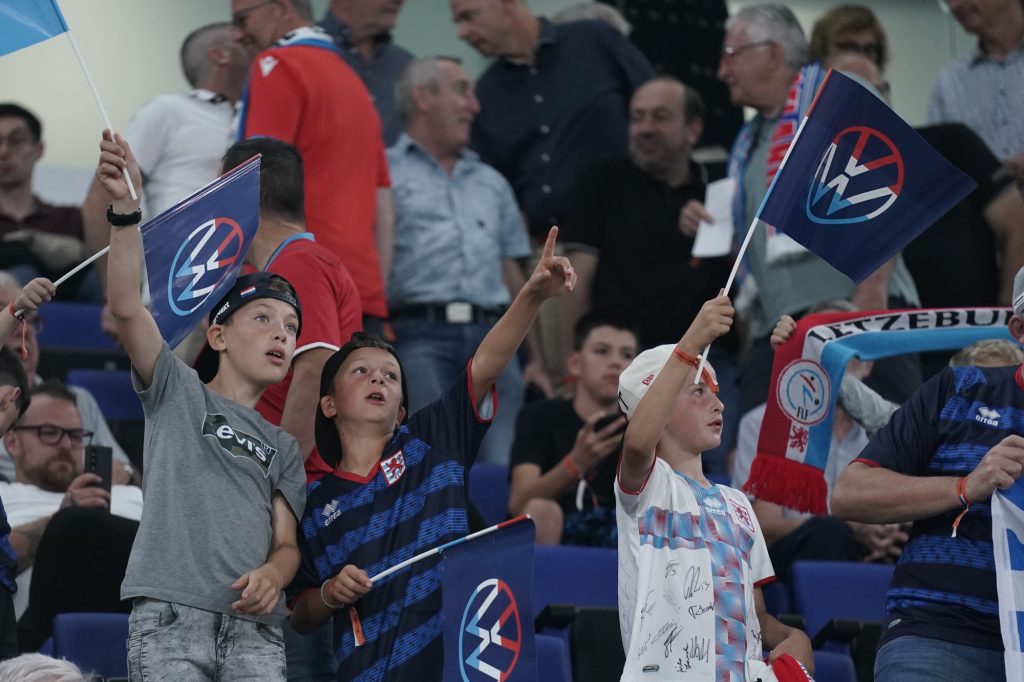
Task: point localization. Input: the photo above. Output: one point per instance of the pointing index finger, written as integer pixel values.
(549, 244)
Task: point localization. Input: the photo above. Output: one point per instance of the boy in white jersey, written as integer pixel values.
(691, 555)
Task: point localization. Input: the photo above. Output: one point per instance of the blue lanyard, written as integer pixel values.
(281, 247)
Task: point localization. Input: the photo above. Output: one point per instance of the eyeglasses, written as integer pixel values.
(729, 51)
(872, 51)
(239, 17)
(16, 140)
(50, 434)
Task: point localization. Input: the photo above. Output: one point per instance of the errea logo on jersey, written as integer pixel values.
(238, 443)
(330, 512)
(987, 416)
(267, 64)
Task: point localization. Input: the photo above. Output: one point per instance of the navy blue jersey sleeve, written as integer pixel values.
(310, 549)
(906, 444)
(457, 421)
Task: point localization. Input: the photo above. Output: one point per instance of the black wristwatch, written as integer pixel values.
(123, 219)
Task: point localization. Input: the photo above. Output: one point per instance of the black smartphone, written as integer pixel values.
(605, 421)
(99, 461)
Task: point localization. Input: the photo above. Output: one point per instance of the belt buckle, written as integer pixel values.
(459, 312)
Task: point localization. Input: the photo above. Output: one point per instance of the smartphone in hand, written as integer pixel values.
(99, 461)
(606, 421)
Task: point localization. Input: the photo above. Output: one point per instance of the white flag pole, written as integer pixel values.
(106, 122)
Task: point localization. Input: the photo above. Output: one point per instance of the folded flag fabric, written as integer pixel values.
(24, 23)
(1008, 542)
(859, 183)
(793, 446)
(195, 248)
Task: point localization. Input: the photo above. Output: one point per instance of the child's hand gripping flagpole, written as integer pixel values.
(749, 236)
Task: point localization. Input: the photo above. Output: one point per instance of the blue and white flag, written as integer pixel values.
(195, 248)
(24, 23)
(1008, 541)
(858, 183)
(487, 587)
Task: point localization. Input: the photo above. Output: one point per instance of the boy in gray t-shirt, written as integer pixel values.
(223, 487)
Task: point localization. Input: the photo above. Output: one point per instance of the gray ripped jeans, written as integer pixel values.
(169, 641)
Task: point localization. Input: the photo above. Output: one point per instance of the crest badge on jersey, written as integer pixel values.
(741, 515)
(393, 467)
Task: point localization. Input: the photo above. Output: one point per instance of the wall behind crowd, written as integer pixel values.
(131, 47)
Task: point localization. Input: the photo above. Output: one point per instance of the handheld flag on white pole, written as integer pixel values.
(24, 23)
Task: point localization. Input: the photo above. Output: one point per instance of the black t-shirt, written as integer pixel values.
(961, 236)
(630, 220)
(545, 433)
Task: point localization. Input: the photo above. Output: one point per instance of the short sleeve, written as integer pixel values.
(632, 500)
(274, 104)
(761, 569)
(906, 444)
(324, 323)
(147, 133)
(291, 482)
(457, 421)
(170, 377)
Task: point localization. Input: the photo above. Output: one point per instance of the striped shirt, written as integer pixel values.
(945, 587)
(414, 501)
(986, 94)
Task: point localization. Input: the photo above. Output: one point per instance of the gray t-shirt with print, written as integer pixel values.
(211, 468)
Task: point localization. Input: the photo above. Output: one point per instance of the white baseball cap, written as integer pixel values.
(637, 378)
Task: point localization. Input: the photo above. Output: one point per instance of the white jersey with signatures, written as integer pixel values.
(689, 558)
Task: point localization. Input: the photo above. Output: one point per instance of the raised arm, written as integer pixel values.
(136, 327)
(32, 296)
(552, 275)
(655, 408)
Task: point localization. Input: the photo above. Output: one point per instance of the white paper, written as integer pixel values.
(715, 239)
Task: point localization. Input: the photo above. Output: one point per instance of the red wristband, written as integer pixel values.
(686, 358)
(961, 492)
(567, 462)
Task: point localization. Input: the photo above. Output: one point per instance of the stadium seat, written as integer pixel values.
(581, 576)
(74, 325)
(827, 590)
(776, 598)
(552, 659)
(95, 642)
(830, 666)
(112, 389)
(488, 491)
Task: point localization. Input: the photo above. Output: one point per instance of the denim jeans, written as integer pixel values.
(918, 659)
(168, 641)
(433, 354)
(311, 657)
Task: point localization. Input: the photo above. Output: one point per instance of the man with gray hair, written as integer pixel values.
(459, 240)
(763, 65)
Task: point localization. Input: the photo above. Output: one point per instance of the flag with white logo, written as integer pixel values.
(1008, 541)
(858, 183)
(195, 248)
(793, 445)
(487, 587)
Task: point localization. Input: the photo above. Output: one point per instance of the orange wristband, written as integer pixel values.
(961, 492)
(567, 462)
(686, 358)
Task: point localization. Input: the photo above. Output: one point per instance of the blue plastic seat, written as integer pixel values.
(824, 590)
(74, 325)
(581, 576)
(488, 491)
(112, 389)
(553, 663)
(95, 642)
(830, 666)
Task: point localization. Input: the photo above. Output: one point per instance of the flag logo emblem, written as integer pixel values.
(491, 633)
(803, 392)
(202, 261)
(859, 177)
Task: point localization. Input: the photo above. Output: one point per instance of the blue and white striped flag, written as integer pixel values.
(1008, 538)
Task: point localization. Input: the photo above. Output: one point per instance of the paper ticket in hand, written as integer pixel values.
(715, 239)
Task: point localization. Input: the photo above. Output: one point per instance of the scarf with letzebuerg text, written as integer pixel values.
(1008, 546)
(799, 98)
(793, 446)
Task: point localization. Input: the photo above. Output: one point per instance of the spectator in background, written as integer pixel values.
(24, 343)
(47, 445)
(545, 115)
(459, 243)
(593, 11)
(362, 31)
(38, 239)
(846, 29)
(763, 54)
(302, 92)
(565, 451)
(640, 213)
(985, 90)
(40, 668)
